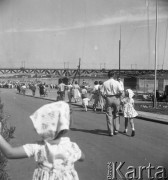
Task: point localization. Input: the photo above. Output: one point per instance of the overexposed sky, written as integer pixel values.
(56, 33)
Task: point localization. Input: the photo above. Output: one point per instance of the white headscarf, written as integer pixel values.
(130, 92)
(50, 119)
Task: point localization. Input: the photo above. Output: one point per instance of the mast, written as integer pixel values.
(79, 70)
(120, 52)
(156, 54)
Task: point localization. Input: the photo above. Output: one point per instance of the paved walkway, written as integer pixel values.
(159, 118)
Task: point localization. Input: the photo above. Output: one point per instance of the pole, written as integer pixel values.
(79, 70)
(119, 56)
(156, 39)
(120, 51)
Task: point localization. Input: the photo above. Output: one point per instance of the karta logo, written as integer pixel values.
(134, 173)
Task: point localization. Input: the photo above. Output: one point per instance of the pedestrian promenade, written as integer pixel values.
(52, 95)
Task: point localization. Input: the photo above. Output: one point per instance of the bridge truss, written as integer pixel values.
(82, 72)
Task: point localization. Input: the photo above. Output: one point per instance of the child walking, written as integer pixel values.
(129, 111)
(85, 99)
(56, 154)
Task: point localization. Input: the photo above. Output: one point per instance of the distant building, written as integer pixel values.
(145, 83)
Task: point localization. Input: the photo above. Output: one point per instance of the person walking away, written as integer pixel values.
(101, 99)
(121, 83)
(41, 89)
(33, 88)
(45, 89)
(19, 87)
(76, 92)
(111, 91)
(61, 90)
(129, 111)
(69, 91)
(85, 99)
(122, 87)
(56, 154)
(95, 96)
(23, 89)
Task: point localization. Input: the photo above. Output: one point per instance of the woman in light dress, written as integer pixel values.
(76, 92)
(101, 99)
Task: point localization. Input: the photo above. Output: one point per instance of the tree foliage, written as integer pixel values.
(7, 132)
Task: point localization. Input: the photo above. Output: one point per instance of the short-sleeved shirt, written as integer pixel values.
(61, 87)
(84, 93)
(56, 160)
(111, 87)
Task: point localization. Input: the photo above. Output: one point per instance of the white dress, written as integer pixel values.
(54, 161)
(76, 93)
(128, 109)
(85, 101)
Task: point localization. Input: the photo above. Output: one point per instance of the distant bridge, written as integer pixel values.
(82, 72)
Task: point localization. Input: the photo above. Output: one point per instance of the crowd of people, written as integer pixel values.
(109, 96)
(55, 155)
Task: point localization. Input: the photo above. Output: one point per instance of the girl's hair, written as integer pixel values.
(96, 82)
(100, 82)
(126, 93)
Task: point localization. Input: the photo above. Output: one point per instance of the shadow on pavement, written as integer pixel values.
(95, 131)
(124, 134)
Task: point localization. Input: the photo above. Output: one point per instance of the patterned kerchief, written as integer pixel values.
(50, 119)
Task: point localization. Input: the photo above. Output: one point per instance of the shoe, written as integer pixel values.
(133, 133)
(111, 134)
(115, 132)
(125, 132)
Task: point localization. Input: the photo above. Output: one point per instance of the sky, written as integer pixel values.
(56, 33)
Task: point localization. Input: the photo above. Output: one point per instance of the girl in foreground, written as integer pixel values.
(56, 154)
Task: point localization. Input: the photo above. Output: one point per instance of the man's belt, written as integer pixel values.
(111, 95)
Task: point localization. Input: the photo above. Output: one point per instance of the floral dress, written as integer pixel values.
(128, 108)
(54, 161)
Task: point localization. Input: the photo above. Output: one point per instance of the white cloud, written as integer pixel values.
(120, 17)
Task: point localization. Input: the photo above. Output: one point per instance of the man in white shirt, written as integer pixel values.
(61, 90)
(111, 91)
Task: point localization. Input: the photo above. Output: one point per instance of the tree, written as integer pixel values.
(7, 132)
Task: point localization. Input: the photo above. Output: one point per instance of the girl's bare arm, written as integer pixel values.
(11, 152)
(82, 157)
